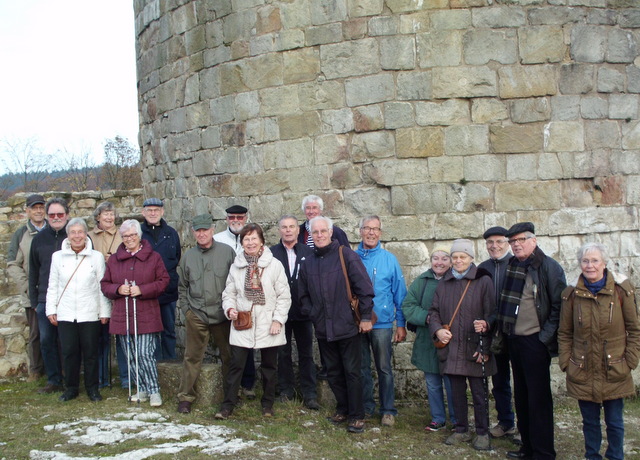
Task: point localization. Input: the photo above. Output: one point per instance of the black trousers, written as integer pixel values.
(461, 408)
(303, 331)
(268, 370)
(76, 340)
(343, 360)
(530, 361)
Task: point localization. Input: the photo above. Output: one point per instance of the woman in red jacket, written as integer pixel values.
(135, 275)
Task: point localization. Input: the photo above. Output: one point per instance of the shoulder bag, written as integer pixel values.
(354, 302)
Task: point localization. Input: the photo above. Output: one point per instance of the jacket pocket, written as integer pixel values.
(577, 370)
(617, 369)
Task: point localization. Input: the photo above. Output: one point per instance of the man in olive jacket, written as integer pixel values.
(203, 273)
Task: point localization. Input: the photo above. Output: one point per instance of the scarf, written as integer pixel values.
(458, 275)
(309, 241)
(252, 280)
(596, 287)
(514, 282)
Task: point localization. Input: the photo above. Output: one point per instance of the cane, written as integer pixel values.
(126, 308)
(485, 381)
(135, 334)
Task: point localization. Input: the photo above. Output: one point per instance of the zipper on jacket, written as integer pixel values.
(607, 356)
(610, 312)
(373, 281)
(579, 314)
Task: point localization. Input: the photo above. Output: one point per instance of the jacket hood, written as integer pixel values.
(66, 247)
(618, 278)
(474, 273)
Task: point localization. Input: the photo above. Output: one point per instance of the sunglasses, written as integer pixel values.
(236, 217)
(56, 215)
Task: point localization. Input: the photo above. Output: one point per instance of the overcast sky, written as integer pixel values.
(68, 72)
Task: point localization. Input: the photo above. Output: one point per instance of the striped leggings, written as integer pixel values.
(146, 344)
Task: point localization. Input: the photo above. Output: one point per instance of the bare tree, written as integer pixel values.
(27, 161)
(121, 169)
(79, 170)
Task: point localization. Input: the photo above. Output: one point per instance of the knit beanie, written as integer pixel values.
(463, 245)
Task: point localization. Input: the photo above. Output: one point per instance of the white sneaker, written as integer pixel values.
(142, 395)
(155, 400)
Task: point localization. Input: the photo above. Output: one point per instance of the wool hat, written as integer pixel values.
(500, 231)
(35, 199)
(236, 209)
(520, 227)
(463, 245)
(440, 248)
(202, 221)
(152, 202)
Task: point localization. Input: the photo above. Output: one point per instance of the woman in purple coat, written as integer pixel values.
(136, 275)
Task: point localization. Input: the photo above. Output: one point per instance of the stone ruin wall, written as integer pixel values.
(444, 117)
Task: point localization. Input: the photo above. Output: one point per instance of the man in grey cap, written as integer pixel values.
(203, 274)
(18, 268)
(165, 241)
(499, 255)
(529, 313)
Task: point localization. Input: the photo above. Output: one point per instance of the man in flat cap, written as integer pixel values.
(499, 255)
(529, 313)
(18, 268)
(203, 274)
(165, 241)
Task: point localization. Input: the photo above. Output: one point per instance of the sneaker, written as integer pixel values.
(435, 426)
(356, 426)
(248, 393)
(155, 400)
(140, 395)
(337, 419)
(457, 438)
(482, 442)
(388, 420)
(184, 407)
(223, 414)
(499, 431)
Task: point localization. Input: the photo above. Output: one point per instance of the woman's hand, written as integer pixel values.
(480, 326)
(53, 319)
(480, 357)
(135, 291)
(232, 313)
(276, 327)
(104, 320)
(124, 289)
(444, 335)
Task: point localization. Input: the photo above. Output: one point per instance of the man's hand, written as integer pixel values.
(401, 334)
(365, 326)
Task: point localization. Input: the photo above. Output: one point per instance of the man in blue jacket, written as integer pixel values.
(390, 290)
(166, 242)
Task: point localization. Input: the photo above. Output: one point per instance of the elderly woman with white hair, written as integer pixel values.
(135, 277)
(599, 345)
(76, 305)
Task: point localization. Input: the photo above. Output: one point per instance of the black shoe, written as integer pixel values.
(519, 454)
(50, 388)
(95, 395)
(322, 375)
(312, 404)
(68, 395)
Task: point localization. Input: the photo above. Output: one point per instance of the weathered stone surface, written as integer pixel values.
(602, 134)
(393, 172)
(368, 118)
(585, 164)
(625, 162)
(301, 65)
(345, 176)
(564, 136)
(540, 44)
(259, 130)
(623, 106)
(222, 110)
(369, 89)
(365, 7)
(576, 78)
(633, 79)
(449, 112)
(397, 53)
(481, 46)
(592, 220)
(530, 110)
(329, 149)
(247, 105)
(383, 25)
(208, 386)
(610, 80)
(466, 140)
(419, 142)
(324, 95)
(419, 199)
(588, 43)
(358, 57)
(522, 167)
(565, 107)
(321, 35)
(413, 85)
(405, 6)
(368, 146)
(338, 121)
(485, 110)
(439, 48)
(631, 135)
(503, 16)
(279, 100)
(516, 139)
(452, 82)
(325, 11)
(622, 46)
(454, 225)
(594, 107)
(299, 125)
(530, 195)
(527, 81)
(366, 201)
(484, 168)
(446, 169)
(633, 193)
(398, 115)
(263, 71)
(451, 19)
(288, 154)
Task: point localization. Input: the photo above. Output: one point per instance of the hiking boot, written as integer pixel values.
(458, 438)
(435, 426)
(155, 400)
(223, 414)
(312, 404)
(388, 420)
(499, 431)
(267, 412)
(50, 388)
(482, 442)
(356, 426)
(337, 419)
(184, 407)
(94, 395)
(68, 395)
(140, 395)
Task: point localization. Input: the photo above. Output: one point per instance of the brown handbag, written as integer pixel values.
(244, 320)
(436, 341)
(354, 302)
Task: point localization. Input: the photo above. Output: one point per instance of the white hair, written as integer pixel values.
(312, 199)
(321, 218)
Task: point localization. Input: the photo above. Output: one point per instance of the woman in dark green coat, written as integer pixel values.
(415, 308)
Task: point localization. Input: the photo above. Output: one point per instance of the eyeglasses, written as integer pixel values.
(371, 229)
(520, 240)
(235, 217)
(57, 215)
(129, 236)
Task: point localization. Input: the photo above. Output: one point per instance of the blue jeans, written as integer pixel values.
(378, 340)
(592, 430)
(166, 344)
(435, 396)
(49, 346)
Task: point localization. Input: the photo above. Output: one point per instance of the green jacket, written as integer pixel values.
(415, 308)
(203, 276)
(18, 257)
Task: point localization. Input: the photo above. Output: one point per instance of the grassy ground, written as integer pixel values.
(26, 419)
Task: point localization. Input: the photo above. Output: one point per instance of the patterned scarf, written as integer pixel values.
(252, 279)
(309, 241)
(514, 282)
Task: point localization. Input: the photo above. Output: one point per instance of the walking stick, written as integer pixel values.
(135, 334)
(126, 308)
(109, 357)
(485, 381)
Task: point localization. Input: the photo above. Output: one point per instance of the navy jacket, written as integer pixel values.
(323, 292)
(168, 246)
(303, 252)
(338, 234)
(43, 245)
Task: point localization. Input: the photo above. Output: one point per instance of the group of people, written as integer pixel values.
(507, 315)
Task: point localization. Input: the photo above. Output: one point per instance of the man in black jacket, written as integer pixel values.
(292, 255)
(323, 297)
(44, 244)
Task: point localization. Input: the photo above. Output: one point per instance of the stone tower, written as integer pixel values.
(444, 117)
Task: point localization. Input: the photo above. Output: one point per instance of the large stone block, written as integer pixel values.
(222, 109)
(527, 81)
(592, 220)
(602, 134)
(406, 6)
(530, 110)
(321, 35)
(502, 16)
(295, 14)
(367, 201)
(410, 228)
(565, 108)
(368, 118)
(586, 164)
(368, 146)
(325, 11)
(564, 136)
(533, 195)
(611, 80)
(263, 71)
(357, 57)
(449, 112)
(466, 140)
(383, 25)
(301, 65)
(488, 110)
(338, 121)
(623, 106)
(480, 168)
(419, 199)
(299, 125)
(452, 225)
(398, 115)
(358, 8)
(446, 169)
(397, 172)
(594, 107)
(522, 167)
(588, 43)
(247, 105)
(631, 135)
(280, 100)
(397, 53)
(480, 46)
(419, 142)
(540, 44)
(516, 138)
(625, 162)
(208, 386)
(259, 130)
(622, 46)
(439, 48)
(549, 167)
(576, 78)
(345, 175)
(329, 149)
(321, 95)
(413, 85)
(288, 154)
(464, 82)
(451, 19)
(369, 89)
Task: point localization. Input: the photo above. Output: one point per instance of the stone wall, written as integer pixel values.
(444, 117)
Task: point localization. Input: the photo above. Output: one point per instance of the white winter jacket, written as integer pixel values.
(82, 300)
(277, 302)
